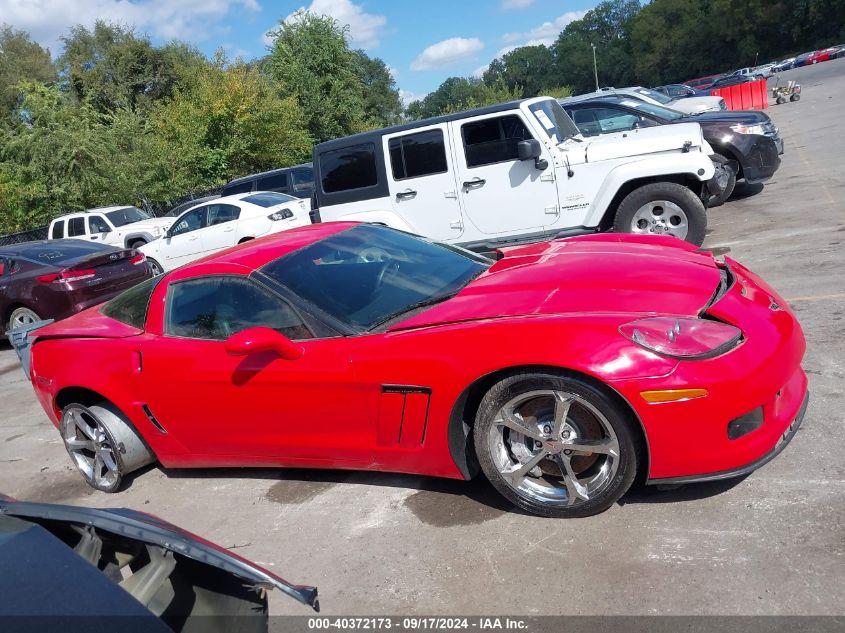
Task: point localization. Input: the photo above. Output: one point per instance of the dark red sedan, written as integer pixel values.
(53, 279)
(561, 370)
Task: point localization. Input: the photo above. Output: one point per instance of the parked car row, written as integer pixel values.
(249, 333)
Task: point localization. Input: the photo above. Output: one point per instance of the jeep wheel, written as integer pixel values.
(137, 243)
(662, 208)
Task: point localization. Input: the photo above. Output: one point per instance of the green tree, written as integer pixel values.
(459, 93)
(231, 121)
(21, 59)
(111, 67)
(528, 69)
(606, 26)
(382, 104)
(310, 55)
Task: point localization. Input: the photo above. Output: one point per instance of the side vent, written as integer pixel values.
(153, 420)
(403, 415)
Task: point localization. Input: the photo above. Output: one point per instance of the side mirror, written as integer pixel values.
(531, 150)
(262, 339)
(106, 229)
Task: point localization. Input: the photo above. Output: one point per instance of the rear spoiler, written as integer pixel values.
(21, 341)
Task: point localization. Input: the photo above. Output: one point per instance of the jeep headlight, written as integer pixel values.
(748, 129)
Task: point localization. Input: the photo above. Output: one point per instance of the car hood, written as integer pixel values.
(732, 117)
(152, 530)
(592, 274)
(651, 140)
(695, 104)
(144, 225)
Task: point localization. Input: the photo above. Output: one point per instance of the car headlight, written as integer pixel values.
(685, 338)
(284, 214)
(749, 129)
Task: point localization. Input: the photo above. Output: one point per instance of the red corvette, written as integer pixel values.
(560, 370)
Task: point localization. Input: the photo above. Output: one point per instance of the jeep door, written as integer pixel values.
(501, 194)
(421, 180)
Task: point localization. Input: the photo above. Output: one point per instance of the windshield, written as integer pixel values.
(121, 217)
(269, 199)
(369, 275)
(650, 108)
(554, 120)
(653, 94)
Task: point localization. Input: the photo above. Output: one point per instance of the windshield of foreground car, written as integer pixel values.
(369, 275)
(554, 120)
(122, 217)
(653, 94)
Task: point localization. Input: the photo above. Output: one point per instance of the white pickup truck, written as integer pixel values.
(516, 173)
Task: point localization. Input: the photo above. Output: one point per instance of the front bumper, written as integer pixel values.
(741, 471)
(760, 157)
(689, 440)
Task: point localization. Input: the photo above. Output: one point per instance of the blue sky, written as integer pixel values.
(422, 42)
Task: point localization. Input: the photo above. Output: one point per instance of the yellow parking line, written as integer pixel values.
(841, 295)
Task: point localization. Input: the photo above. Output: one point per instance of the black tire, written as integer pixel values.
(689, 203)
(137, 243)
(245, 239)
(487, 447)
(795, 98)
(21, 316)
(716, 201)
(780, 100)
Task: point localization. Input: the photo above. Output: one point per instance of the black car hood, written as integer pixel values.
(728, 117)
(152, 530)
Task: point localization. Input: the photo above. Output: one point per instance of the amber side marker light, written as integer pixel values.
(672, 395)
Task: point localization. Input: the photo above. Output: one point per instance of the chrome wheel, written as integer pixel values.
(554, 447)
(91, 448)
(21, 317)
(660, 217)
(155, 267)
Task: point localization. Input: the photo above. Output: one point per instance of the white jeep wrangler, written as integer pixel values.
(516, 173)
(125, 227)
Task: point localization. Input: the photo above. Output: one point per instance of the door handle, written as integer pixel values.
(229, 229)
(93, 237)
(474, 183)
(193, 239)
(406, 195)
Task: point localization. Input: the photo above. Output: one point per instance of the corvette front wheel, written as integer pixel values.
(555, 446)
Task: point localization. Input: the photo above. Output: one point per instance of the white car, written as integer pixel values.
(125, 227)
(687, 105)
(211, 226)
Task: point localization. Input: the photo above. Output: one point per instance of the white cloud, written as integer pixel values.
(547, 32)
(365, 29)
(407, 97)
(394, 72)
(507, 5)
(447, 52)
(194, 20)
(479, 72)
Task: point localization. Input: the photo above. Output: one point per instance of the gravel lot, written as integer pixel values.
(772, 543)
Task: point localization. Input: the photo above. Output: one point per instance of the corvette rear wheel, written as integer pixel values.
(101, 444)
(555, 446)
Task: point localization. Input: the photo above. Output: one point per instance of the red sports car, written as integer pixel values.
(561, 370)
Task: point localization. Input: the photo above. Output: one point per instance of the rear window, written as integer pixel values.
(273, 182)
(76, 227)
(65, 252)
(419, 154)
(131, 307)
(238, 187)
(269, 199)
(352, 167)
(58, 231)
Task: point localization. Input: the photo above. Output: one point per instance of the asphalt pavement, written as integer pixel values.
(771, 543)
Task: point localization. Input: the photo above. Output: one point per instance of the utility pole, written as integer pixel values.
(595, 66)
